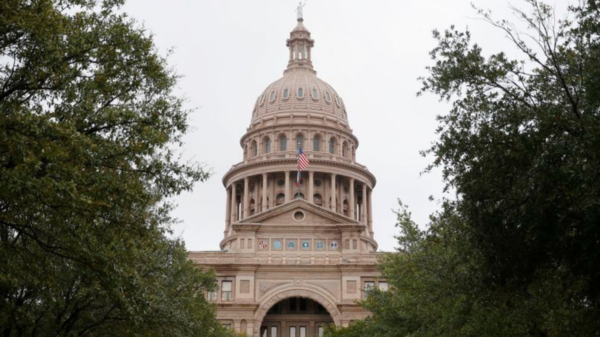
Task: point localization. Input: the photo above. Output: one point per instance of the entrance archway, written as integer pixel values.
(295, 317)
(311, 310)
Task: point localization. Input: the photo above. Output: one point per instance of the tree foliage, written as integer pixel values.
(89, 128)
(517, 252)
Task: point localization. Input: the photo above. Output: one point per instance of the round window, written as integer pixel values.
(317, 182)
(299, 216)
(280, 182)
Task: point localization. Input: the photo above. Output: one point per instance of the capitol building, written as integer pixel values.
(298, 250)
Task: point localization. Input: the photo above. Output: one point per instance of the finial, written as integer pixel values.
(299, 10)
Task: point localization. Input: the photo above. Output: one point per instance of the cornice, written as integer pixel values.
(294, 124)
(268, 162)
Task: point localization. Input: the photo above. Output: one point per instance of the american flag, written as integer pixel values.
(302, 164)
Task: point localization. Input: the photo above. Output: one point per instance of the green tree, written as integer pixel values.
(517, 252)
(89, 128)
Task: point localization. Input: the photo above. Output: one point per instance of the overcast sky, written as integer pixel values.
(371, 52)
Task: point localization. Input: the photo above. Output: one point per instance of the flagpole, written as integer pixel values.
(302, 163)
(298, 176)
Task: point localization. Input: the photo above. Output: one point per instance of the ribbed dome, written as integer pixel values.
(299, 91)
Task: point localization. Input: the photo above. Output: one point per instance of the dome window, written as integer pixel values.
(261, 101)
(272, 96)
(317, 143)
(300, 93)
(282, 143)
(286, 93)
(299, 141)
(267, 145)
(338, 102)
(315, 93)
(332, 145)
(327, 97)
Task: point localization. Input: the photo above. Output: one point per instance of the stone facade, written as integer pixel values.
(295, 258)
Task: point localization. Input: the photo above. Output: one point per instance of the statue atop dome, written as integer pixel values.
(299, 9)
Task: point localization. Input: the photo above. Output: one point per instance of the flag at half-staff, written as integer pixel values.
(302, 164)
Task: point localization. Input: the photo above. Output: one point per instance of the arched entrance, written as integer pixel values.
(299, 312)
(295, 317)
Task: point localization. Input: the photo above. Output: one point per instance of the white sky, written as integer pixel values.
(371, 52)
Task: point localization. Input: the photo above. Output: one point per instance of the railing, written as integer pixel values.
(223, 258)
(293, 154)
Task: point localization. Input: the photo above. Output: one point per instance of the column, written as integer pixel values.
(333, 194)
(287, 186)
(311, 184)
(340, 195)
(351, 201)
(228, 217)
(364, 204)
(264, 192)
(233, 202)
(370, 213)
(246, 210)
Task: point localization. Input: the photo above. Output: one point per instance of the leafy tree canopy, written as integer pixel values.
(89, 127)
(516, 253)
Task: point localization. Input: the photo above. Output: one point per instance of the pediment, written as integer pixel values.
(312, 215)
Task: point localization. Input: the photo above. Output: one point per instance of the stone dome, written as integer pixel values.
(299, 90)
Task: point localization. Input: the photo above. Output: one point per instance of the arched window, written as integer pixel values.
(317, 143)
(327, 96)
(272, 97)
(280, 199)
(286, 93)
(345, 207)
(261, 100)
(332, 145)
(315, 93)
(282, 143)
(252, 206)
(299, 141)
(267, 142)
(338, 101)
(345, 150)
(299, 196)
(254, 149)
(300, 92)
(318, 199)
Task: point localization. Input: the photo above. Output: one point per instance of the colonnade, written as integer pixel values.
(338, 193)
